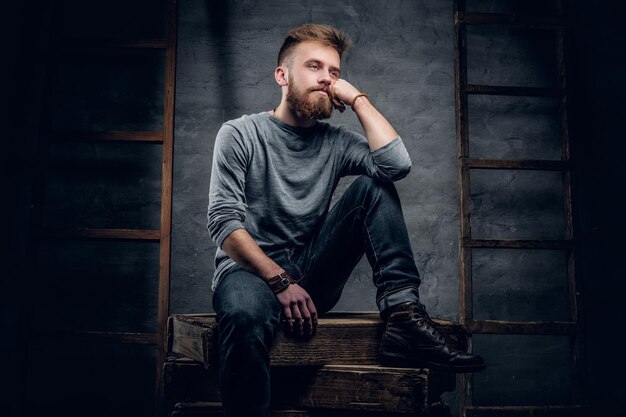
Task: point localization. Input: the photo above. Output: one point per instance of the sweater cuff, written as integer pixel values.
(226, 230)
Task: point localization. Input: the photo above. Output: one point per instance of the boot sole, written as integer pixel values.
(401, 361)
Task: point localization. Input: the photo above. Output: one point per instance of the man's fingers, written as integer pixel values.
(297, 318)
(343, 91)
(288, 317)
(339, 105)
(298, 310)
(306, 315)
(313, 311)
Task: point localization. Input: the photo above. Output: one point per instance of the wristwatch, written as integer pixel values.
(280, 282)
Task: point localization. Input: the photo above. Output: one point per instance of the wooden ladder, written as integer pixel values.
(466, 164)
(69, 48)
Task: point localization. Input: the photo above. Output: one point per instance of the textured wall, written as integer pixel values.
(402, 56)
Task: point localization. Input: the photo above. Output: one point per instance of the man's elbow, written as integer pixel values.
(404, 169)
(397, 172)
(221, 225)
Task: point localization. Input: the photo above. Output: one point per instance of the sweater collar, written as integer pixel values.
(296, 130)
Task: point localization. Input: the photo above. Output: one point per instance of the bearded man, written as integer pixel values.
(283, 256)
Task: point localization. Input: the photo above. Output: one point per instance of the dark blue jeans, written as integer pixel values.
(367, 219)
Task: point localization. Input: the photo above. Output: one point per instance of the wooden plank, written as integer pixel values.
(115, 234)
(332, 387)
(184, 380)
(517, 244)
(495, 90)
(463, 178)
(510, 20)
(572, 276)
(341, 339)
(519, 164)
(374, 389)
(110, 136)
(460, 82)
(163, 300)
(529, 411)
(187, 337)
(169, 336)
(521, 327)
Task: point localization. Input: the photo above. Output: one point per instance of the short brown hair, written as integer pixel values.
(324, 34)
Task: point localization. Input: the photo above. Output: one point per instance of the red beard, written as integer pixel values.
(311, 105)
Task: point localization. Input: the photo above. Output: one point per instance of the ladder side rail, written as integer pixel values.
(166, 198)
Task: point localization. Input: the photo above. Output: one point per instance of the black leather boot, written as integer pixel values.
(411, 340)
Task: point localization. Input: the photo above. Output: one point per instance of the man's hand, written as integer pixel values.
(343, 92)
(378, 130)
(299, 310)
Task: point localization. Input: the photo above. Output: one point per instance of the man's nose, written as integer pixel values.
(325, 78)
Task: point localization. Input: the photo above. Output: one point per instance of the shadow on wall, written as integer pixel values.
(218, 21)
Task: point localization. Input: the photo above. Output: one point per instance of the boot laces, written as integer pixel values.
(419, 313)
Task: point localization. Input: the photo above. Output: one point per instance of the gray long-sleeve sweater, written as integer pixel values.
(277, 181)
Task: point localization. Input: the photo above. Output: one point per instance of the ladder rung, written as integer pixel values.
(511, 20)
(124, 234)
(100, 43)
(528, 164)
(110, 136)
(103, 337)
(516, 244)
(495, 90)
(521, 327)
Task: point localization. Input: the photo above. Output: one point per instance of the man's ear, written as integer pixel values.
(280, 75)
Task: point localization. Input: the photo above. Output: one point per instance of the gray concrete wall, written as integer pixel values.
(403, 58)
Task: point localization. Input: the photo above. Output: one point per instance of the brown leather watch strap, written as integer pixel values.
(280, 282)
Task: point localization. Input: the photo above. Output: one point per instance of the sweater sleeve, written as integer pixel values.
(389, 163)
(227, 203)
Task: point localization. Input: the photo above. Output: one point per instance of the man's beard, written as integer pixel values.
(311, 105)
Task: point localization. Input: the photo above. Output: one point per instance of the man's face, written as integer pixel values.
(313, 69)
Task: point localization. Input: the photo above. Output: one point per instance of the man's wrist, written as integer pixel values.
(354, 100)
(279, 283)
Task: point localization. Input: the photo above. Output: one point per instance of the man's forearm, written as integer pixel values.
(243, 249)
(297, 304)
(378, 130)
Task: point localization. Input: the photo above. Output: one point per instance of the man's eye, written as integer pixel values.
(313, 66)
(334, 74)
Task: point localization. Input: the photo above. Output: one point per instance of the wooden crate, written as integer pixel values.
(335, 373)
(341, 339)
(362, 388)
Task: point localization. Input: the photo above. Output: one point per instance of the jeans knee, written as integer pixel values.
(244, 319)
(377, 189)
(248, 326)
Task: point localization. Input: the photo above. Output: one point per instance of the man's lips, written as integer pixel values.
(336, 103)
(321, 91)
